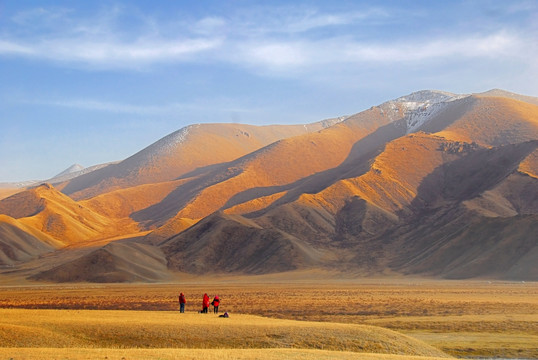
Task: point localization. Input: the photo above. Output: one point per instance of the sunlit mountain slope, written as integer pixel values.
(55, 214)
(188, 149)
(431, 183)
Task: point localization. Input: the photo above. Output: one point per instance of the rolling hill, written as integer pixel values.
(194, 147)
(47, 210)
(432, 184)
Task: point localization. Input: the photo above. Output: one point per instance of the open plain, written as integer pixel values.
(303, 318)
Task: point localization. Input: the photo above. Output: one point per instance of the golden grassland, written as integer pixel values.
(196, 354)
(461, 318)
(166, 329)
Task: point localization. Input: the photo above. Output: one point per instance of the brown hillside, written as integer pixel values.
(480, 222)
(183, 151)
(49, 211)
(431, 183)
(465, 122)
(7, 192)
(510, 95)
(529, 166)
(123, 202)
(461, 245)
(399, 216)
(115, 262)
(172, 227)
(395, 175)
(488, 121)
(263, 180)
(231, 243)
(21, 243)
(269, 170)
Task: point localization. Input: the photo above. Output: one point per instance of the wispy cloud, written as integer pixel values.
(296, 20)
(286, 43)
(168, 109)
(101, 41)
(302, 55)
(12, 48)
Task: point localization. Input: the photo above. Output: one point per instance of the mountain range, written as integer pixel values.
(430, 184)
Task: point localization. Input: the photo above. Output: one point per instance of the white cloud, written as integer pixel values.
(11, 48)
(104, 40)
(495, 45)
(40, 16)
(265, 52)
(176, 108)
(309, 55)
(273, 54)
(116, 54)
(296, 20)
(268, 44)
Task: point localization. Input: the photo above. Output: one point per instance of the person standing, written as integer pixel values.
(215, 303)
(205, 303)
(182, 302)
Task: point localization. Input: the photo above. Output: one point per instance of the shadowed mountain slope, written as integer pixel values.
(231, 243)
(413, 218)
(278, 164)
(282, 171)
(389, 183)
(115, 262)
(19, 242)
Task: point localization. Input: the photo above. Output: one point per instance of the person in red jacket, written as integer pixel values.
(182, 302)
(205, 304)
(215, 303)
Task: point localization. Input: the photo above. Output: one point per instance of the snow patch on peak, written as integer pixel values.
(164, 146)
(419, 107)
(428, 96)
(171, 141)
(330, 122)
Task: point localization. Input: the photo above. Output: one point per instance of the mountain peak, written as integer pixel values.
(419, 107)
(70, 170)
(510, 95)
(428, 96)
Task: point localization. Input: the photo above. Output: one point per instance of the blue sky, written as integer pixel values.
(96, 81)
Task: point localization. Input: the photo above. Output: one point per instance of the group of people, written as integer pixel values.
(205, 303)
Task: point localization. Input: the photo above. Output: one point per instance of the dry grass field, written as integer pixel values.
(460, 318)
(114, 329)
(198, 354)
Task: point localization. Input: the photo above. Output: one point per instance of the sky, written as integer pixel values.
(91, 82)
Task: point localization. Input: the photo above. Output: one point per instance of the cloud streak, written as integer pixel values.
(290, 43)
(170, 109)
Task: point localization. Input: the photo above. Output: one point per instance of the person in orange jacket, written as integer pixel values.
(182, 302)
(205, 304)
(215, 303)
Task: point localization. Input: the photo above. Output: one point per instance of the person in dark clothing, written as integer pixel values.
(215, 303)
(182, 302)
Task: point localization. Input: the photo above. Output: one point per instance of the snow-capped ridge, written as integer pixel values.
(419, 107)
(428, 96)
(164, 146)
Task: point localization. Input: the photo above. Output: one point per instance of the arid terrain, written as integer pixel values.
(407, 229)
(459, 318)
(429, 184)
